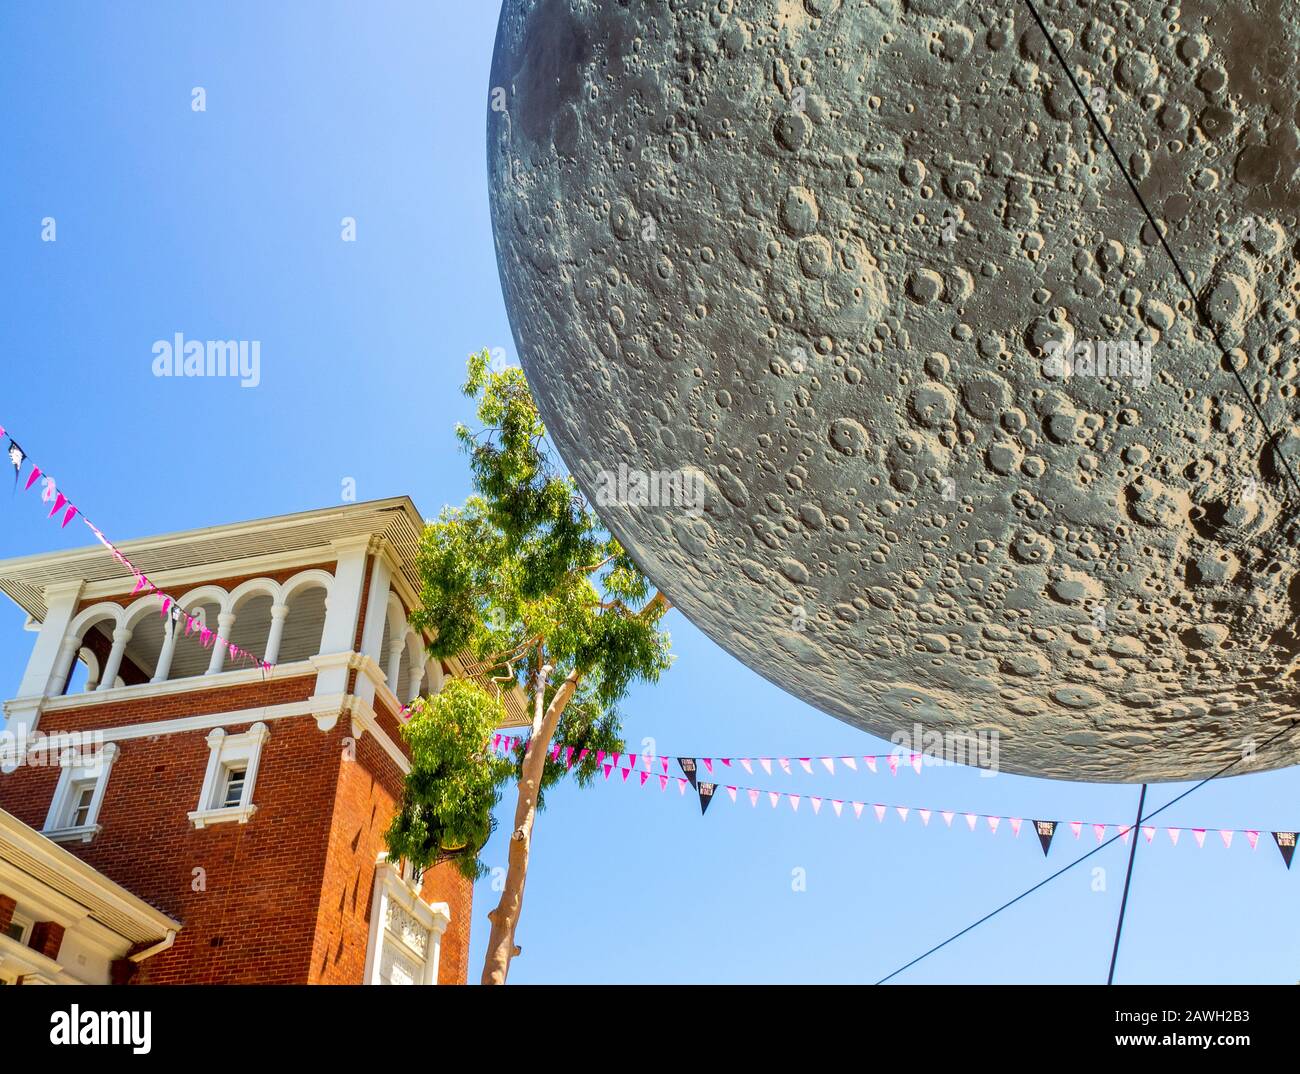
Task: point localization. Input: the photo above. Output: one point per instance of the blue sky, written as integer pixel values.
(226, 224)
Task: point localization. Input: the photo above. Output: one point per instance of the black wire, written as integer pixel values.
(1196, 302)
(1065, 869)
(1128, 876)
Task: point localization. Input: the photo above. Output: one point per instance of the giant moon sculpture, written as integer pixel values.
(816, 252)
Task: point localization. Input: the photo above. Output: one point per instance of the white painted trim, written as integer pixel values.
(365, 719)
(391, 886)
(224, 750)
(147, 690)
(74, 772)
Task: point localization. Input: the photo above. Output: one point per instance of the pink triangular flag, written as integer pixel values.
(140, 582)
(664, 764)
(582, 755)
(916, 763)
(1149, 832)
(568, 758)
(647, 760)
(1226, 835)
(600, 756)
(1253, 838)
(1173, 835)
(880, 812)
(925, 817)
(902, 813)
(615, 757)
(626, 772)
(993, 824)
(1100, 831)
(871, 763)
(773, 797)
(59, 501)
(644, 776)
(794, 802)
(857, 809)
(663, 782)
(1076, 826)
(807, 764)
(708, 763)
(496, 742)
(753, 796)
(726, 761)
(785, 764)
(32, 477)
(555, 752)
(732, 791)
(748, 767)
(608, 769)
(1123, 832)
(1200, 836)
(817, 805)
(1015, 826)
(893, 764)
(766, 762)
(682, 784)
(68, 516)
(850, 763)
(829, 764)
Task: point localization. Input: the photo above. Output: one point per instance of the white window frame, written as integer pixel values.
(25, 923)
(226, 751)
(75, 772)
(394, 890)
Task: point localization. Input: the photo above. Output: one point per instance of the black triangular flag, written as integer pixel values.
(16, 456)
(687, 765)
(706, 796)
(1286, 844)
(1045, 829)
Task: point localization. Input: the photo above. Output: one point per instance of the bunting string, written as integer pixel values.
(169, 608)
(507, 746)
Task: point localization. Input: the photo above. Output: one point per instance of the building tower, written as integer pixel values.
(168, 818)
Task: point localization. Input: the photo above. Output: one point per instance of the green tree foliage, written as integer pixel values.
(524, 577)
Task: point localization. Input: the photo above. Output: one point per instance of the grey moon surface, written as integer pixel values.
(810, 259)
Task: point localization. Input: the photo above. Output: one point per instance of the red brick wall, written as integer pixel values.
(366, 792)
(249, 915)
(270, 691)
(444, 883)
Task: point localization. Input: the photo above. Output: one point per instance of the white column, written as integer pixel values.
(225, 621)
(63, 665)
(342, 607)
(60, 607)
(120, 637)
(278, 613)
(372, 630)
(396, 646)
(168, 650)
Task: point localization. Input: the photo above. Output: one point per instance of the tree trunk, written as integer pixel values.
(505, 918)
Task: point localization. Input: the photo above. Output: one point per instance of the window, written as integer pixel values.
(18, 929)
(234, 795)
(228, 784)
(83, 793)
(79, 794)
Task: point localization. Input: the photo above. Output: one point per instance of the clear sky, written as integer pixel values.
(225, 224)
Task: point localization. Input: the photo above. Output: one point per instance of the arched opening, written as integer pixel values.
(304, 623)
(190, 658)
(252, 627)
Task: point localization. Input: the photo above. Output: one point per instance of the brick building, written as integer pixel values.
(165, 818)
